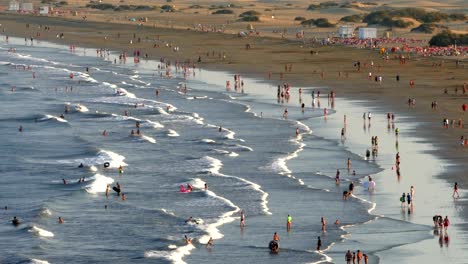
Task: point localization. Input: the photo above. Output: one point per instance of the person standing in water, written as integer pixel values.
(288, 223)
(242, 219)
(455, 190)
(210, 243)
(324, 224)
(319, 243)
(276, 237)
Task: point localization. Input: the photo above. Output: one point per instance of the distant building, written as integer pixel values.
(346, 31)
(366, 33)
(27, 7)
(14, 6)
(44, 10)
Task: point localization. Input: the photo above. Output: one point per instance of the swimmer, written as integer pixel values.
(187, 240)
(346, 195)
(60, 220)
(337, 177)
(220, 129)
(124, 197)
(297, 132)
(15, 221)
(20, 129)
(337, 222)
(132, 132)
(206, 186)
(81, 165)
(64, 181)
(189, 187)
(276, 237)
(104, 133)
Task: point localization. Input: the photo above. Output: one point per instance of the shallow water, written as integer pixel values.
(255, 163)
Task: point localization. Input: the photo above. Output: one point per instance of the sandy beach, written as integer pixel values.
(274, 60)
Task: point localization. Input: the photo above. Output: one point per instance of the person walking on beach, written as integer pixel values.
(408, 200)
(324, 224)
(319, 243)
(455, 190)
(348, 257)
(359, 256)
(446, 223)
(288, 223)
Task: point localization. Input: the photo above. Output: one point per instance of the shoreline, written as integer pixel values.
(395, 100)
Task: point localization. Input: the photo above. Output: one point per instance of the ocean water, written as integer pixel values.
(234, 141)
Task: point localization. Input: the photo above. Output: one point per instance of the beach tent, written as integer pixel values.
(44, 10)
(346, 31)
(14, 6)
(366, 33)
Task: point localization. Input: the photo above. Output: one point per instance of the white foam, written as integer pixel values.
(99, 184)
(244, 147)
(115, 160)
(49, 117)
(230, 134)
(41, 232)
(176, 255)
(197, 183)
(207, 140)
(172, 133)
(215, 165)
(153, 124)
(38, 261)
(45, 212)
(81, 108)
(225, 152)
(167, 212)
(212, 228)
(147, 138)
(93, 168)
